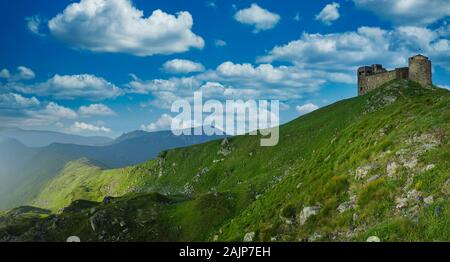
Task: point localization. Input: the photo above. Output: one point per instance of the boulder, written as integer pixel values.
(391, 169)
(428, 200)
(373, 239)
(307, 212)
(249, 237)
(73, 239)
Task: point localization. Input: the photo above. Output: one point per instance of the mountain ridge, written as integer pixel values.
(39, 138)
(30, 169)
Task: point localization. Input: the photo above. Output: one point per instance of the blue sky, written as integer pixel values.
(96, 67)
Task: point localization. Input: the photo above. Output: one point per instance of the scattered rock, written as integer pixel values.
(188, 189)
(249, 237)
(401, 202)
(387, 100)
(307, 212)
(373, 239)
(428, 200)
(347, 205)
(438, 211)
(414, 195)
(201, 173)
(314, 237)
(410, 163)
(73, 239)
(429, 167)
(373, 178)
(391, 169)
(225, 148)
(355, 217)
(362, 171)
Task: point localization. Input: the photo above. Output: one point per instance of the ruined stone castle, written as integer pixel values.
(371, 77)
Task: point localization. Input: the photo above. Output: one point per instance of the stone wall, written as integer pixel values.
(368, 83)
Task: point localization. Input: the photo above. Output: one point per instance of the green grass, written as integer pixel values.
(195, 194)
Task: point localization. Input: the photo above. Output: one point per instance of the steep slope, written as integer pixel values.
(375, 165)
(82, 179)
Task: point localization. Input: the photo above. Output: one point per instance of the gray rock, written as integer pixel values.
(438, 211)
(373, 178)
(307, 212)
(314, 237)
(355, 217)
(73, 239)
(391, 169)
(429, 167)
(346, 206)
(373, 239)
(401, 202)
(428, 200)
(362, 171)
(249, 237)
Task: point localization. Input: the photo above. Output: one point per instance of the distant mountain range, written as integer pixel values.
(37, 138)
(25, 168)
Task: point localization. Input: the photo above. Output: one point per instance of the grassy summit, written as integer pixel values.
(374, 165)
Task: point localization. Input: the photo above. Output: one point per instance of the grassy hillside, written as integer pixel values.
(375, 165)
(24, 171)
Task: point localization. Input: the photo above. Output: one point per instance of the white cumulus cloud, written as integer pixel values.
(13, 101)
(329, 13)
(22, 73)
(96, 110)
(344, 52)
(116, 26)
(53, 109)
(35, 24)
(69, 87)
(163, 123)
(182, 66)
(19, 111)
(407, 12)
(306, 108)
(49, 114)
(260, 18)
(80, 127)
(220, 43)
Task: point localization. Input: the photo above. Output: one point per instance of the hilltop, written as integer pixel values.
(373, 165)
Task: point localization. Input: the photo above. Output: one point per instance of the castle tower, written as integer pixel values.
(420, 70)
(363, 72)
